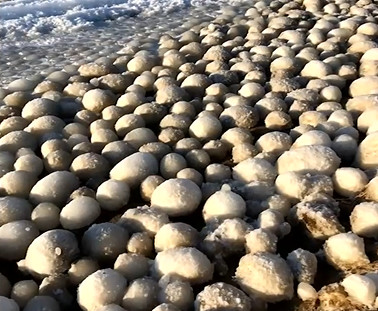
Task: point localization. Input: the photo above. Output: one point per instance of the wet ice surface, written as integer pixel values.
(29, 53)
(31, 18)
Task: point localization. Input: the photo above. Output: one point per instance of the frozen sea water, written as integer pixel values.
(39, 36)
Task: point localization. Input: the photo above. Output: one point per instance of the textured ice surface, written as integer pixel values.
(40, 36)
(31, 18)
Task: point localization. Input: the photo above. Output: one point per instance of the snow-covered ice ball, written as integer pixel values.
(23, 291)
(141, 295)
(226, 238)
(191, 174)
(166, 307)
(111, 307)
(16, 237)
(364, 86)
(175, 235)
(143, 219)
(132, 266)
(310, 117)
(349, 181)
(371, 191)
(236, 136)
(271, 220)
(81, 269)
(314, 137)
(278, 120)
(171, 164)
(186, 263)
(140, 243)
(265, 276)
(176, 292)
(101, 288)
(17, 183)
(141, 63)
(359, 104)
(278, 203)
(253, 169)
(316, 69)
(276, 142)
(13, 208)
(5, 286)
(345, 147)
(148, 186)
(105, 241)
(42, 302)
(243, 151)
(309, 159)
(206, 128)
(306, 292)
(8, 304)
(176, 197)
(97, 99)
(135, 168)
(318, 218)
(52, 252)
(196, 84)
(303, 264)
(360, 288)
(261, 240)
(39, 107)
(224, 204)
(95, 69)
(216, 172)
(170, 94)
(345, 251)
(242, 116)
(54, 188)
(79, 213)
(364, 219)
(367, 119)
(222, 296)
(113, 194)
(90, 165)
(367, 152)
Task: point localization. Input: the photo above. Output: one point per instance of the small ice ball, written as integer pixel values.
(222, 296)
(303, 264)
(349, 181)
(360, 288)
(175, 235)
(141, 295)
(113, 194)
(265, 276)
(176, 197)
(306, 292)
(101, 288)
(345, 251)
(364, 219)
(187, 263)
(261, 240)
(224, 204)
(176, 292)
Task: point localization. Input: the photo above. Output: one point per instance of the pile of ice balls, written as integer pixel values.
(137, 183)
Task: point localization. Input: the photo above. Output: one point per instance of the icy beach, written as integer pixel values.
(189, 156)
(40, 36)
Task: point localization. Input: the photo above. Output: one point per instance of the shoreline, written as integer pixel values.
(61, 49)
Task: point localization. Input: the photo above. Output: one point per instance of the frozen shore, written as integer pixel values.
(43, 36)
(213, 158)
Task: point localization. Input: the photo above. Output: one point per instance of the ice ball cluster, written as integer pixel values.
(230, 167)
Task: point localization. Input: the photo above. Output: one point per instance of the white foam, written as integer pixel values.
(22, 19)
